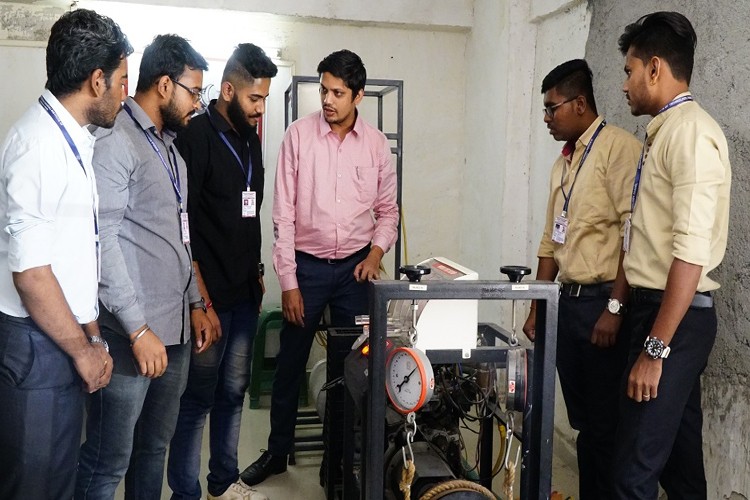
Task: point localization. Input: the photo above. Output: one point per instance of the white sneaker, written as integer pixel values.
(239, 491)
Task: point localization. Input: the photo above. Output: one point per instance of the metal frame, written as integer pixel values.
(384, 87)
(538, 418)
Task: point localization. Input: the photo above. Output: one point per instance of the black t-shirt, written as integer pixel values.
(225, 244)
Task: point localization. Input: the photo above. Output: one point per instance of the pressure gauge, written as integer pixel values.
(409, 379)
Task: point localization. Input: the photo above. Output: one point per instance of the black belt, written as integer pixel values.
(701, 300)
(593, 290)
(359, 253)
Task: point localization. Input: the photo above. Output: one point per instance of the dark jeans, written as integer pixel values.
(321, 284)
(129, 425)
(41, 400)
(217, 383)
(590, 380)
(661, 441)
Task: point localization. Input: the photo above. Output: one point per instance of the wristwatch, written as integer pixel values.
(615, 307)
(655, 348)
(201, 304)
(95, 339)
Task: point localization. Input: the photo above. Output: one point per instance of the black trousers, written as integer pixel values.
(590, 379)
(661, 441)
(321, 284)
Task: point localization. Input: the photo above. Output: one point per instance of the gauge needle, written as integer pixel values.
(406, 379)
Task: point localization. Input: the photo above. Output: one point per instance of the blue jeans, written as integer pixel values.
(321, 284)
(217, 383)
(42, 413)
(129, 425)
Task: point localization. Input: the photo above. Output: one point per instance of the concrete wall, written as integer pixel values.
(719, 84)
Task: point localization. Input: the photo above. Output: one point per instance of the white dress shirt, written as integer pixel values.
(47, 209)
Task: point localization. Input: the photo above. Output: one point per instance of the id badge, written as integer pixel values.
(559, 229)
(185, 228)
(248, 203)
(626, 235)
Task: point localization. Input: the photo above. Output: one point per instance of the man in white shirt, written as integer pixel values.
(50, 348)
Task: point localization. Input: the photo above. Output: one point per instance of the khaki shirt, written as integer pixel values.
(682, 209)
(598, 208)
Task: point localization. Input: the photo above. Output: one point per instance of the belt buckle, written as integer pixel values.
(575, 290)
(331, 261)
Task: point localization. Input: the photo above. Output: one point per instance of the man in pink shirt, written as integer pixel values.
(335, 215)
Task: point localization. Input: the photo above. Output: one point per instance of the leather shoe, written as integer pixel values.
(266, 465)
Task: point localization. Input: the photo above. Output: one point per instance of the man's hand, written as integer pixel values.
(262, 293)
(150, 354)
(293, 307)
(529, 328)
(643, 381)
(369, 269)
(203, 330)
(213, 318)
(94, 365)
(606, 330)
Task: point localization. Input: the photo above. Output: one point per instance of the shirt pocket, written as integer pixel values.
(366, 181)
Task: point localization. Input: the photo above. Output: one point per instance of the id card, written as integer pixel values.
(185, 228)
(626, 235)
(559, 229)
(248, 203)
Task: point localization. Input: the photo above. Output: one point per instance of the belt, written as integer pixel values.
(358, 253)
(701, 300)
(593, 290)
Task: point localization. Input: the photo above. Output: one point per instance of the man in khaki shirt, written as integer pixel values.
(678, 235)
(589, 202)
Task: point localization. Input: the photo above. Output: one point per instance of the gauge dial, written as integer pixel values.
(409, 379)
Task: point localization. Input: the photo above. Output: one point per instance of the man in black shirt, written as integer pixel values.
(225, 184)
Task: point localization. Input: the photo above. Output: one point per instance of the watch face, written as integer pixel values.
(614, 306)
(654, 347)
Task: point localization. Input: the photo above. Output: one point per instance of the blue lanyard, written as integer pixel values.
(247, 173)
(73, 147)
(173, 176)
(580, 164)
(637, 182)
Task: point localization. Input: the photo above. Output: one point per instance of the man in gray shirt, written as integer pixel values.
(148, 292)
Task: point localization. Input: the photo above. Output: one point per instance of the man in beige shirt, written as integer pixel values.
(588, 205)
(678, 235)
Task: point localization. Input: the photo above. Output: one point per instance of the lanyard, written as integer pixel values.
(248, 173)
(580, 164)
(173, 176)
(637, 182)
(73, 147)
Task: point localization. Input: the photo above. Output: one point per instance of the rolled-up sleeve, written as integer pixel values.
(697, 174)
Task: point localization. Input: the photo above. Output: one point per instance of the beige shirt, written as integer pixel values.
(682, 209)
(598, 207)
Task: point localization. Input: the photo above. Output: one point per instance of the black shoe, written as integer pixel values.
(266, 465)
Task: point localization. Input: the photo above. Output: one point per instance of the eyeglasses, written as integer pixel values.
(197, 94)
(549, 111)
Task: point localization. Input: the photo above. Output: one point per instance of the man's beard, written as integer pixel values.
(171, 117)
(100, 116)
(238, 118)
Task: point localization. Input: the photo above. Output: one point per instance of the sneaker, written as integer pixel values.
(239, 491)
(265, 466)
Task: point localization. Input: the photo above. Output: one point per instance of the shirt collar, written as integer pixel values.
(218, 121)
(656, 122)
(325, 127)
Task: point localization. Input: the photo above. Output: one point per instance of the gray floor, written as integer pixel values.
(301, 482)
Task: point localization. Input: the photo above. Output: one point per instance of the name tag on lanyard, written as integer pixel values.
(185, 228)
(249, 199)
(560, 229)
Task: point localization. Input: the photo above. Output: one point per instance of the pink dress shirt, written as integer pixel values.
(331, 197)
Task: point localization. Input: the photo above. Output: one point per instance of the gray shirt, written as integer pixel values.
(147, 273)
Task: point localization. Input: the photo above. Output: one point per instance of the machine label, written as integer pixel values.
(420, 288)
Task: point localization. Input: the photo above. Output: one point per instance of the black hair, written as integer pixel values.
(247, 63)
(571, 79)
(81, 42)
(668, 35)
(346, 65)
(167, 55)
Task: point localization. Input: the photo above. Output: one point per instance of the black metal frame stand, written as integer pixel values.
(538, 416)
